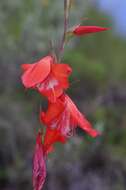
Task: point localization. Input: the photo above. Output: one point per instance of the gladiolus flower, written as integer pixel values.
(65, 116)
(49, 78)
(83, 30)
(39, 166)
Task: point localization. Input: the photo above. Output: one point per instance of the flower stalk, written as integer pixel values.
(67, 4)
(62, 116)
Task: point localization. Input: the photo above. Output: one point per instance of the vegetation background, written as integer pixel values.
(98, 86)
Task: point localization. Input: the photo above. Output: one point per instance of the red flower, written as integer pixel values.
(65, 117)
(47, 77)
(82, 30)
(39, 166)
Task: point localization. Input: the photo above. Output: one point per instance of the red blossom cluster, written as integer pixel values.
(50, 79)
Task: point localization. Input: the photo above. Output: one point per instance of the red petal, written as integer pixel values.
(79, 118)
(37, 73)
(61, 72)
(65, 123)
(82, 30)
(52, 136)
(54, 110)
(39, 166)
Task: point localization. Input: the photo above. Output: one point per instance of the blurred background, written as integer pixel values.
(98, 87)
